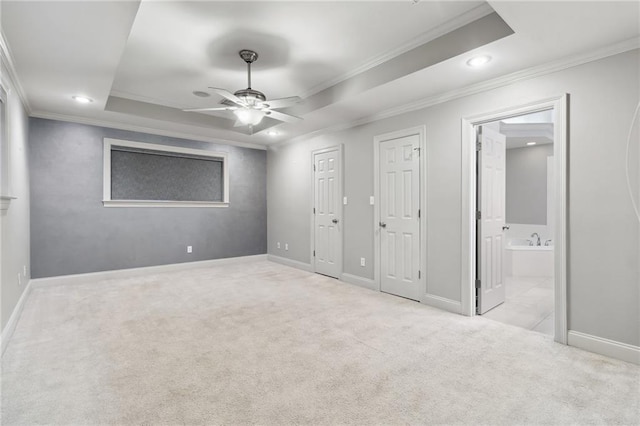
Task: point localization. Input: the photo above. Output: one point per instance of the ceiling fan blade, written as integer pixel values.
(282, 102)
(226, 94)
(287, 118)
(228, 108)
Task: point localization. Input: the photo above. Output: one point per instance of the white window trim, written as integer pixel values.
(106, 196)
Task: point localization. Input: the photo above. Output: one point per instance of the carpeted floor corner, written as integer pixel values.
(262, 343)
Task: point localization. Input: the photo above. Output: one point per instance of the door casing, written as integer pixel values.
(559, 105)
(340, 259)
(421, 132)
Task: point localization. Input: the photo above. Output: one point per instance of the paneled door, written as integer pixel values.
(400, 216)
(490, 232)
(327, 192)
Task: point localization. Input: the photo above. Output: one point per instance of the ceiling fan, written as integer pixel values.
(251, 106)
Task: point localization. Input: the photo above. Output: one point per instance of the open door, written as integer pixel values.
(490, 285)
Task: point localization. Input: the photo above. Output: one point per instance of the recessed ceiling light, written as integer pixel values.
(82, 99)
(531, 143)
(272, 133)
(478, 61)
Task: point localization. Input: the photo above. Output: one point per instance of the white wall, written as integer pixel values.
(14, 222)
(603, 290)
(526, 184)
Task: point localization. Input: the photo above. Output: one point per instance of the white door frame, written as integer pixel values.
(559, 104)
(340, 208)
(421, 132)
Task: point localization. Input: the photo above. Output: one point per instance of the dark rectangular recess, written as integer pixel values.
(143, 174)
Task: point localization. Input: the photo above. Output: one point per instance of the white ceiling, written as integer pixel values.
(141, 61)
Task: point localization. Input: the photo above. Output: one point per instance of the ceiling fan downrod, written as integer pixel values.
(249, 56)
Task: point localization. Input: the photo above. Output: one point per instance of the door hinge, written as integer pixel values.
(314, 253)
(314, 210)
(478, 215)
(419, 274)
(477, 283)
(418, 213)
(478, 146)
(314, 167)
(479, 139)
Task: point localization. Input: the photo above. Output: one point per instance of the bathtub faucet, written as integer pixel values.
(538, 238)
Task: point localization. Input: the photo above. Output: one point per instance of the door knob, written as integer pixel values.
(383, 225)
(334, 220)
(505, 227)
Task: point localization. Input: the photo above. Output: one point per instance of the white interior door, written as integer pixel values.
(399, 217)
(327, 209)
(490, 237)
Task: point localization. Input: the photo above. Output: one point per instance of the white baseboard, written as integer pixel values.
(289, 262)
(359, 281)
(13, 319)
(135, 272)
(602, 346)
(442, 303)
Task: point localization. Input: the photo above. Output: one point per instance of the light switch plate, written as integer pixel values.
(371, 200)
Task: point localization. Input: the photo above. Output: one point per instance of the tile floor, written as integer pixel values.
(528, 304)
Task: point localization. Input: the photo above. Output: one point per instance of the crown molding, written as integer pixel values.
(451, 25)
(143, 129)
(526, 74)
(7, 59)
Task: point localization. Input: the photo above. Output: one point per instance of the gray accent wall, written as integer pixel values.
(526, 184)
(603, 245)
(14, 222)
(72, 232)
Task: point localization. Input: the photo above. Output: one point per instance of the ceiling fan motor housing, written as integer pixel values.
(249, 96)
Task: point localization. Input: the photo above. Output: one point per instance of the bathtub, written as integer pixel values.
(524, 260)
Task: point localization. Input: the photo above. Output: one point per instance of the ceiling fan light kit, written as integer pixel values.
(250, 106)
(249, 116)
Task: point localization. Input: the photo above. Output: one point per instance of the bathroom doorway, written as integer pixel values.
(515, 226)
(504, 266)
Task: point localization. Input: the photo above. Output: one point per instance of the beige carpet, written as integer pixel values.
(261, 343)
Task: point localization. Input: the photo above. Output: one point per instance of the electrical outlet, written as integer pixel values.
(286, 246)
(362, 261)
(278, 244)
(344, 200)
(19, 280)
(189, 249)
(371, 200)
